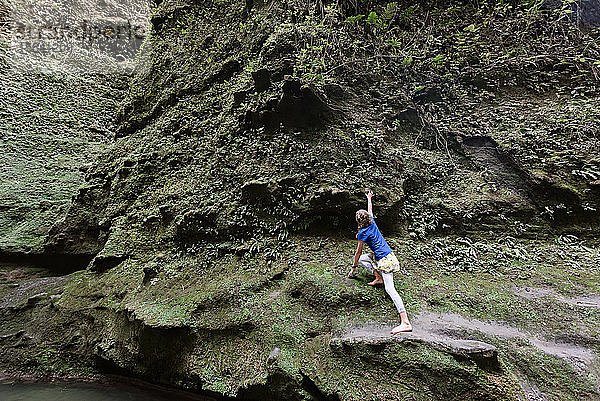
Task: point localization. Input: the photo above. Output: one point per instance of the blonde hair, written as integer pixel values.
(363, 218)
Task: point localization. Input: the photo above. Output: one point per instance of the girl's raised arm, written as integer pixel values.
(369, 204)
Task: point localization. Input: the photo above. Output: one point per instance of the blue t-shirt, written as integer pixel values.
(372, 237)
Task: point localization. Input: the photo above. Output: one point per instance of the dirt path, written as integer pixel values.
(452, 328)
(454, 334)
(454, 325)
(584, 301)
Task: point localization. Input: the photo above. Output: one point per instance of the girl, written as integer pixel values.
(382, 264)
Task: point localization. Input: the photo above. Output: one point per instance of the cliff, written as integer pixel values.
(220, 223)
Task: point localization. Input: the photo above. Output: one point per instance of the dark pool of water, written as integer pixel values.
(90, 392)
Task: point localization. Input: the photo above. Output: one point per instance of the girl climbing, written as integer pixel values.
(383, 263)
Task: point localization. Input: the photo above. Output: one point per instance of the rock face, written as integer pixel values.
(63, 70)
(198, 130)
(586, 12)
(250, 132)
(590, 12)
(171, 352)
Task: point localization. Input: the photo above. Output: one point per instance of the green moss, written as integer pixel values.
(221, 328)
(554, 376)
(58, 124)
(399, 370)
(240, 274)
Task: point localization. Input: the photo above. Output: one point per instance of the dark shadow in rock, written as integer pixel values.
(410, 116)
(285, 68)
(156, 354)
(479, 81)
(81, 232)
(256, 192)
(331, 208)
(262, 79)
(195, 224)
(239, 97)
(226, 72)
(311, 388)
(300, 106)
(150, 271)
(428, 95)
(56, 264)
(159, 19)
(103, 263)
(278, 386)
(541, 194)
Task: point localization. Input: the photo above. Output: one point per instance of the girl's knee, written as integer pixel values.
(391, 290)
(365, 262)
(388, 283)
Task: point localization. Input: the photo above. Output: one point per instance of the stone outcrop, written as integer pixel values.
(219, 223)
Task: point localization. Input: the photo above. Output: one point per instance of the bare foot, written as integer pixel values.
(375, 282)
(403, 328)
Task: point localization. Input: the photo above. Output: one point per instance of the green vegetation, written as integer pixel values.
(222, 218)
(209, 323)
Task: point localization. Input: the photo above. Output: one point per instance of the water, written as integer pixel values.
(91, 392)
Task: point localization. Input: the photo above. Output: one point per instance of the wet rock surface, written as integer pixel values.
(450, 333)
(30, 292)
(580, 357)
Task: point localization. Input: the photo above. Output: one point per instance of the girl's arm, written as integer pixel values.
(357, 254)
(369, 204)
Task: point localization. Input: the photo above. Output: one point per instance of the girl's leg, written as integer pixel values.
(365, 261)
(388, 282)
